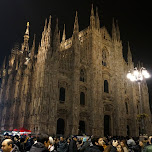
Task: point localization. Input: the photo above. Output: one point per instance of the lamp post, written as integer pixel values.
(138, 75)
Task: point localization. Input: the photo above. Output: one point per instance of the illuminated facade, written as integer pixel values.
(72, 86)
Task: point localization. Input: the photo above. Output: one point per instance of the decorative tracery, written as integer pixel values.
(104, 57)
(82, 75)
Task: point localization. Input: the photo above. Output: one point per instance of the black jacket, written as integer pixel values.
(95, 149)
(73, 146)
(38, 147)
(62, 146)
(113, 149)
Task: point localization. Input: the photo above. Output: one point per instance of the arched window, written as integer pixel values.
(126, 107)
(82, 98)
(60, 126)
(82, 75)
(104, 57)
(62, 94)
(106, 86)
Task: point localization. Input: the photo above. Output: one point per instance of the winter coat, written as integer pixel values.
(62, 146)
(85, 146)
(95, 149)
(148, 148)
(38, 147)
(113, 149)
(73, 146)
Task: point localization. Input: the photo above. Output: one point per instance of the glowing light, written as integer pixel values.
(138, 74)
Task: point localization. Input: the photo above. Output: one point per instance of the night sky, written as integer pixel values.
(134, 19)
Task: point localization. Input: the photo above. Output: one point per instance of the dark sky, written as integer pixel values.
(134, 19)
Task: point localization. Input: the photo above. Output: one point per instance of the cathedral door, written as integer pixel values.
(60, 126)
(81, 127)
(106, 125)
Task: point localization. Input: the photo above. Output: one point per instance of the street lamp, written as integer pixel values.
(138, 75)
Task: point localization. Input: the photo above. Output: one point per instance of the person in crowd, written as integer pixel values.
(104, 144)
(22, 145)
(73, 144)
(85, 145)
(97, 145)
(68, 142)
(9, 146)
(42, 144)
(16, 140)
(142, 145)
(28, 142)
(149, 147)
(62, 145)
(56, 143)
(51, 146)
(79, 143)
(119, 148)
(131, 142)
(124, 146)
(114, 146)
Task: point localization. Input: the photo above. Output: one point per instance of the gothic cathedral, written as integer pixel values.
(72, 86)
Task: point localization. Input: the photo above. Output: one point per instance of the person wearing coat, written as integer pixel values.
(97, 145)
(62, 145)
(9, 146)
(42, 144)
(149, 147)
(73, 145)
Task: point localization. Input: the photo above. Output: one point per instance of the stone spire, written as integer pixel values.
(49, 25)
(56, 38)
(45, 27)
(64, 36)
(117, 31)
(76, 25)
(114, 36)
(25, 45)
(129, 57)
(44, 35)
(4, 63)
(33, 48)
(92, 18)
(49, 33)
(97, 19)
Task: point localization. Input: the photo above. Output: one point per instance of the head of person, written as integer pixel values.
(51, 140)
(119, 148)
(6, 135)
(141, 143)
(68, 140)
(7, 145)
(75, 138)
(123, 143)
(61, 138)
(150, 139)
(97, 141)
(44, 139)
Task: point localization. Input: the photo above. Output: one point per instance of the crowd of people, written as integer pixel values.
(45, 143)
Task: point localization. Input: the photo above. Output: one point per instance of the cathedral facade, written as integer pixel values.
(72, 86)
